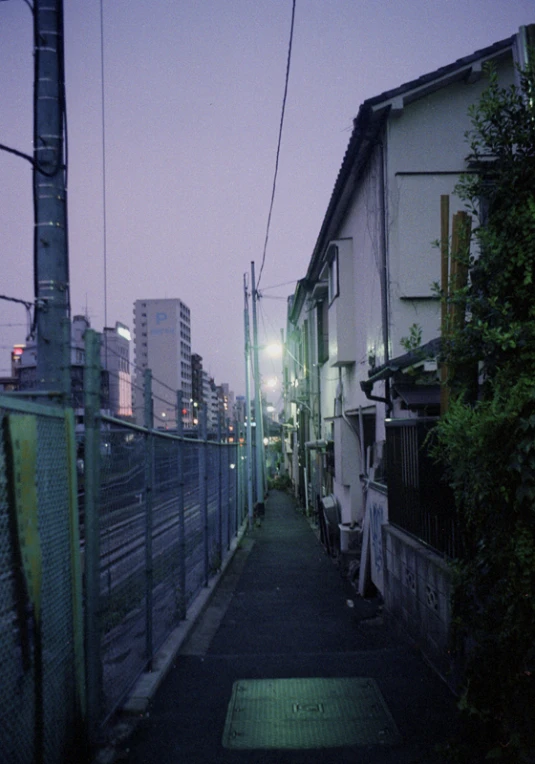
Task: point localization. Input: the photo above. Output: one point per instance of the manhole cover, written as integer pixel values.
(307, 713)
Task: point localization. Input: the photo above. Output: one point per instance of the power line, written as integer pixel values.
(103, 104)
(278, 144)
(26, 303)
(276, 286)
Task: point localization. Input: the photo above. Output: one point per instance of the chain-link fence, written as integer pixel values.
(105, 542)
(42, 690)
(168, 512)
(160, 511)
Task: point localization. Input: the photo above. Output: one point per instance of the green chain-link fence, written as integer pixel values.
(42, 690)
(104, 545)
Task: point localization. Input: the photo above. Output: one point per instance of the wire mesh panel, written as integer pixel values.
(122, 561)
(39, 694)
(167, 546)
(214, 507)
(194, 527)
(17, 681)
(164, 504)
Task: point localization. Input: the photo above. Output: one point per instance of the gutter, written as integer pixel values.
(430, 350)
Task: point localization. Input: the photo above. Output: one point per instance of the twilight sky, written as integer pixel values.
(192, 98)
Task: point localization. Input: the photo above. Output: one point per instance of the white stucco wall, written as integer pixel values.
(362, 228)
(362, 224)
(425, 158)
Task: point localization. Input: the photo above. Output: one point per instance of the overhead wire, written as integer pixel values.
(276, 286)
(288, 61)
(103, 131)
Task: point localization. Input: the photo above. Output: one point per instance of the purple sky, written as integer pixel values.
(193, 94)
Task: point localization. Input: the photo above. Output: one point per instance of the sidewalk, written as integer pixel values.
(283, 611)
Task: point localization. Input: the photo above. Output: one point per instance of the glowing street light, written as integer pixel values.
(274, 349)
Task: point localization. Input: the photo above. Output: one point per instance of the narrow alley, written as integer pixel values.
(287, 663)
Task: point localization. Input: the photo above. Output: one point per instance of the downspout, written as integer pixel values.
(363, 477)
(384, 281)
(367, 387)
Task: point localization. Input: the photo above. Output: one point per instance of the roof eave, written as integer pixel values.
(368, 123)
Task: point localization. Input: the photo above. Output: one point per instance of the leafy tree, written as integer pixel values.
(487, 441)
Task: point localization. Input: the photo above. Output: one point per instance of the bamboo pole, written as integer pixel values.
(453, 311)
(463, 226)
(444, 284)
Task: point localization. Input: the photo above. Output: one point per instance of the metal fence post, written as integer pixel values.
(149, 459)
(203, 492)
(93, 625)
(239, 485)
(229, 473)
(181, 518)
(220, 448)
(76, 570)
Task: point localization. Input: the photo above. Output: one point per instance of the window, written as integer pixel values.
(305, 356)
(334, 284)
(322, 319)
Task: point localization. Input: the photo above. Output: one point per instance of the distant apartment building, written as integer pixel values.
(114, 376)
(240, 411)
(212, 405)
(227, 404)
(197, 393)
(162, 343)
(115, 357)
(206, 391)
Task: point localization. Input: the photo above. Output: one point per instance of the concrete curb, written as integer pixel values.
(148, 683)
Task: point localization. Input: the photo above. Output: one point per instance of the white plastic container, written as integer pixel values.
(350, 538)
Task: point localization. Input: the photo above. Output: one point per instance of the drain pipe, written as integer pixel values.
(367, 385)
(384, 274)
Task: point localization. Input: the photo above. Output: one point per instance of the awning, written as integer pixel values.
(418, 396)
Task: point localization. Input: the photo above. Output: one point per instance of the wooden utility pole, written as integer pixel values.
(51, 268)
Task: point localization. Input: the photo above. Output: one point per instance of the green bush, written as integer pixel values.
(487, 442)
(280, 483)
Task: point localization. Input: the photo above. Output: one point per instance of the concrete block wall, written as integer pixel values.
(417, 596)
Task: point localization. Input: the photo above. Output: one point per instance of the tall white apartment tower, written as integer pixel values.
(162, 343)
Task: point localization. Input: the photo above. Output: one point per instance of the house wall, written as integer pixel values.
(417, 595)
(359, 291)
(426, 151)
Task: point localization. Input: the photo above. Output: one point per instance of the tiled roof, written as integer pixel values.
(489, 52)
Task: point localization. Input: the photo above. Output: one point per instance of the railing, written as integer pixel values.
(420, 502)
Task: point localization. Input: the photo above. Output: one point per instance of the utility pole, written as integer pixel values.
(248, 435)
(51, 266)
(258, 406)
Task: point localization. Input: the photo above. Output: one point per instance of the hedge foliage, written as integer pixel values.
(487, 439)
